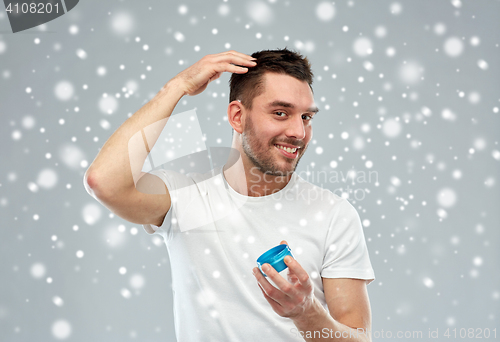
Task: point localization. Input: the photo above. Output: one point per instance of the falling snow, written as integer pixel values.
(409, 114)
(64, 90)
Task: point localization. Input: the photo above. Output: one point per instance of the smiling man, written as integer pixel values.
(273, 129)
(216, 225)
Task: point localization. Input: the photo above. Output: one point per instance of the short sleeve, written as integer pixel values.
(171, 180)
(346, 254)
(165, 226)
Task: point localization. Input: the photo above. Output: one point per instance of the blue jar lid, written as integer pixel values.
(275, 257)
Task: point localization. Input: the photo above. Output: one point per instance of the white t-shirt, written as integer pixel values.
(214, 236)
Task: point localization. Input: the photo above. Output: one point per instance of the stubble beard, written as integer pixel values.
(262, 158)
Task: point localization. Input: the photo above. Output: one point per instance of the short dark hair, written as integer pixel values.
(245, 87)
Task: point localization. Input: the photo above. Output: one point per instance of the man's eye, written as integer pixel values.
(278, 113)
(307, 117)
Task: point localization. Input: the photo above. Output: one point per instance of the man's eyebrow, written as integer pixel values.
(285, 104)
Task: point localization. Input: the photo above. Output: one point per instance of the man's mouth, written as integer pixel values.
(290, 152)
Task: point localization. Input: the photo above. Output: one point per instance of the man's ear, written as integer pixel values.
(235, 113)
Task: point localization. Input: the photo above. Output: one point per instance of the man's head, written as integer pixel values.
(272, 109)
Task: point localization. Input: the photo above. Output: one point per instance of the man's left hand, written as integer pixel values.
(293, 298)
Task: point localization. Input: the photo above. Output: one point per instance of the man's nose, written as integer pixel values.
(296, 128)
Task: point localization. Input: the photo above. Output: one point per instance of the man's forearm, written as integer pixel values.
(119, 162)
(318, 325)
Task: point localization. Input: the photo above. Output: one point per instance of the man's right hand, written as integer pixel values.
(195, 79)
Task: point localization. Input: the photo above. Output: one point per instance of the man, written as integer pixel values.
(216, 225)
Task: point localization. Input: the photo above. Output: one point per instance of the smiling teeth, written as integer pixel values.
(288, 149)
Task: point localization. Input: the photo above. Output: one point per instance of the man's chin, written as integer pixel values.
(283, 172)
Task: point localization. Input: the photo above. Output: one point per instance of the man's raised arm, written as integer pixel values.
(115, 177)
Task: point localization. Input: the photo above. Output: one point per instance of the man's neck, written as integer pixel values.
(247, 180)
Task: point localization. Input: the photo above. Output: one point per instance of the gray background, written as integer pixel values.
(426, 116)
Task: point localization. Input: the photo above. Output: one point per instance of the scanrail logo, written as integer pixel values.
(26, 14)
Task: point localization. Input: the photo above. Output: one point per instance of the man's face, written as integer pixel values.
(280, 117)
